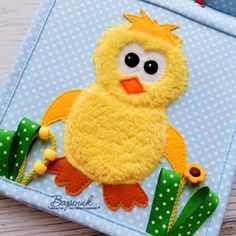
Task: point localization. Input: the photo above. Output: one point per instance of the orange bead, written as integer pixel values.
(50, 154)
(44, 133)
(39, 167)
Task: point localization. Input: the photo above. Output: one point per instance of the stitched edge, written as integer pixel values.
(35, 40)
(223, 171)
(87, 211)
(7, 103)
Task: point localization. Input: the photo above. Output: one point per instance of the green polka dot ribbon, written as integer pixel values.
(7, 141)
(163, 202)
(197, 210)
(14, 147)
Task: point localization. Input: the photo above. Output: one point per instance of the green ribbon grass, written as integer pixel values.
(14, 147)
(163, 202)
(198, 209)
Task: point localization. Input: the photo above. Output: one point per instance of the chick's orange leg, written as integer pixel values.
(66, 175)
(60, 107)
(125, 196)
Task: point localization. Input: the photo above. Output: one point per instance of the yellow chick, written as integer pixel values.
(116, 130)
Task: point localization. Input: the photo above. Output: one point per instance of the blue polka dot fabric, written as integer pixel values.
(228, 7)
(56, 55)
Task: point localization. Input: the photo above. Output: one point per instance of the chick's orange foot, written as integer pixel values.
(125, 196)
(66, 175)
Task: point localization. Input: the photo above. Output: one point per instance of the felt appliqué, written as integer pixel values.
(60, 107)
(66, 175)
(175, 149)
(125, 196)
(132, 85)
(145, 24)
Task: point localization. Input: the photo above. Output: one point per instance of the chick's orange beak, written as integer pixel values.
(132, 85)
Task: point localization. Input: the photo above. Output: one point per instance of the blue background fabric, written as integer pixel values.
(56, 55)
(226, 6)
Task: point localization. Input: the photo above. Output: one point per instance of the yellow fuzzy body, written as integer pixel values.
(111, 141)
(118, 138)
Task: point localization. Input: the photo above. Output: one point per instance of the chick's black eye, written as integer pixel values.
(151, 67)
(131, 59)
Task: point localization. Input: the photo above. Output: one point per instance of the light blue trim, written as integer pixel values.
(200, 15)
(9, 91)
(203, 15)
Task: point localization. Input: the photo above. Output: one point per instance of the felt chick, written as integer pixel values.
(116, 130)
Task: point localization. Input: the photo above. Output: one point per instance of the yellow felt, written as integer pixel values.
(60, 107)
(175, 149)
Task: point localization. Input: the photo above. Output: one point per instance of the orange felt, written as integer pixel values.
(60, 107)
(66, 175)
(145, 24)
(175, 149)
(132, 86)
(125, 196)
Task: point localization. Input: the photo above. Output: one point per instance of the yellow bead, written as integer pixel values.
(39, 168)
(50, 154)
(44, 133)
